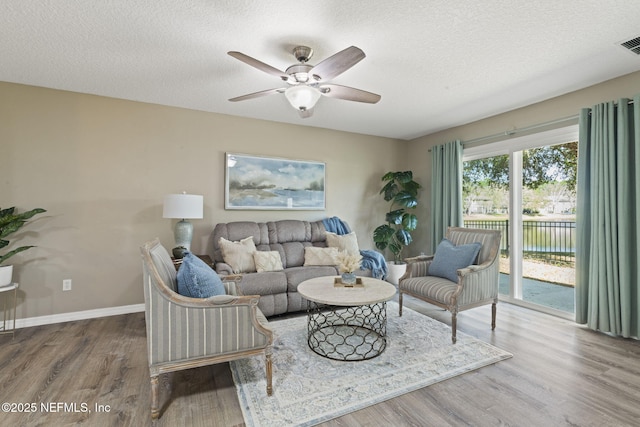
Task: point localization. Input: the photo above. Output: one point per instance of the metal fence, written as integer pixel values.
(551, 241)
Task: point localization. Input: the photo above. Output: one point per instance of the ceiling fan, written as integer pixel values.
(307, 82)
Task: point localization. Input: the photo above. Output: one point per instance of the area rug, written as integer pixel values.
(309, 389)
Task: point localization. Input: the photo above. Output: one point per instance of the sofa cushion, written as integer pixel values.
(289, 230)
(239, 255)
(344, 242)
(293, 253)
(267, 283)
(235, 231)
(267, 261)
(297, 275)
(432, 287)
(319, 256)
(197, 280)
(449, 258)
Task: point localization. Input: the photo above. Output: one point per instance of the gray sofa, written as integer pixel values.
(277, 289)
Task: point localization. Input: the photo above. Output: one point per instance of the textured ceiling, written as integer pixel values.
(437, 64)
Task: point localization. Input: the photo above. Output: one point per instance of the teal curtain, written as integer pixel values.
(446, 190)
(607, 253)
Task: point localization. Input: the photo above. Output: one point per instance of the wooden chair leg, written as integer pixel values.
(493, 316)
(400, 303)
(269, 372)
(155, 397)
(454, 325)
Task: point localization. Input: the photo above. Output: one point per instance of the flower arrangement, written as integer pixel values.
(348, 262)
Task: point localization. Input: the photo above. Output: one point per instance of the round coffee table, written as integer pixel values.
(347, 323)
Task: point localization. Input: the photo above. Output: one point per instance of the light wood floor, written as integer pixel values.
(561, 375)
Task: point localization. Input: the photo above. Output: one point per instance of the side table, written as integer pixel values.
(206, 258)
(12, 287)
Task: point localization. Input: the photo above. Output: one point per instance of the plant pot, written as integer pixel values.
(6, 275)
(395, 271)
(349, 278)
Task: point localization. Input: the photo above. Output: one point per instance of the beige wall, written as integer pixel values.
(419, 157)
(102, 166)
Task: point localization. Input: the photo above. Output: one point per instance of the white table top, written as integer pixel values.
(323, 291)
(9, 287)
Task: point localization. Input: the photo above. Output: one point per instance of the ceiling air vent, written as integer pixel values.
(632, 45)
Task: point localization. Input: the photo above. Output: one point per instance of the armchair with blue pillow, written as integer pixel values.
(193, 318)
(462, 274)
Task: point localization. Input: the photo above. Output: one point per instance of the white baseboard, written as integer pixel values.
(77, 315)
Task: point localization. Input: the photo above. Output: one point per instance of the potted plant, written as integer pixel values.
(10, 222)
(402, 191)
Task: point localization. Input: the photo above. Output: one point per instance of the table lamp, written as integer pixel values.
(183, 206)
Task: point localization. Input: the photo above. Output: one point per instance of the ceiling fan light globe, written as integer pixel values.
(302, 97)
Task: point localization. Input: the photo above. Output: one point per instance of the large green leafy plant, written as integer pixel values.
(402, 191)
(10, 222)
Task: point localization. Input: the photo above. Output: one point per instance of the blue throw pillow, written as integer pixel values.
(449, 258)
(197, 280)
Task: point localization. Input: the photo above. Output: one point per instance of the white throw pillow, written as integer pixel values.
(319, 256)
(267, 261)
(239, 255)
(344, 242)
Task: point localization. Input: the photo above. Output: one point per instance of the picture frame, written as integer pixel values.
(272, 183)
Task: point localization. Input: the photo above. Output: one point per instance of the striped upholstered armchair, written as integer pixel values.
(185, 332)
(476, 284)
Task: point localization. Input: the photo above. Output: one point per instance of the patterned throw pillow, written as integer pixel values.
(344, 242)
(267, 261)
(239, 255)
(449, 258)
(319, 256)
(197, 280)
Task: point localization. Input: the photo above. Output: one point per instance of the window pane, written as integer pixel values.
(548, 209)
(485, 192)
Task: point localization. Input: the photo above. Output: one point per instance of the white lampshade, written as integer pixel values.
(302, 97)
(183, 206)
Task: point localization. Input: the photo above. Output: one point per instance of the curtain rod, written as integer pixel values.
(525, 129)
(512, 132)
(528, 128)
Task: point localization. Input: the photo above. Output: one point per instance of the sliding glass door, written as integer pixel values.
(527, 189)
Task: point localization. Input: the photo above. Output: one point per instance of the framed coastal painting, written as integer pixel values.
(263, 183)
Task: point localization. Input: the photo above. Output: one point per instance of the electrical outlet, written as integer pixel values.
(66, 285)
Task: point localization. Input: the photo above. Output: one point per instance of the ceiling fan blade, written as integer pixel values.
(259, 65)
(349, 93)
(257, 94)
(337, 64)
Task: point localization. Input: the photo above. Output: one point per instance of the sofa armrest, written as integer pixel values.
(214, 301)
(478, 282)
(419, 258)
(417, 266)
(230, 283)
(223, 269)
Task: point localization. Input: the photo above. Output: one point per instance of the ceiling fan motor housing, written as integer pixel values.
(298, 73)
(302, 53)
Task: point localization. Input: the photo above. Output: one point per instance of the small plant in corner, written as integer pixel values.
(10, 222)
(402, 191)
